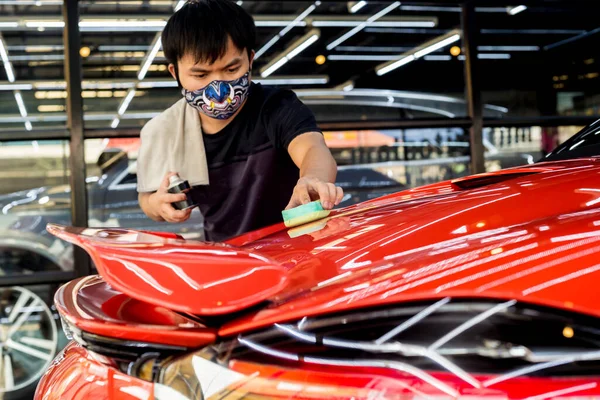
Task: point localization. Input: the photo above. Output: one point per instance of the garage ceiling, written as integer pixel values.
(544, 47)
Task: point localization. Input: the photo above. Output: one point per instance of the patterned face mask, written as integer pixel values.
(219, 99)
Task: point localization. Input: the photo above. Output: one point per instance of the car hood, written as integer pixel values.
(530, 234)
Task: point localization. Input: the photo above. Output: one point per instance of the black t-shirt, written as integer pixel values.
(251, 173)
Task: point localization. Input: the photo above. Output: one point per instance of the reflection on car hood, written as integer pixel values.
(529, 234)
(534, 238)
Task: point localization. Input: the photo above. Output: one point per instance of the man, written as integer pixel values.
(263, 149)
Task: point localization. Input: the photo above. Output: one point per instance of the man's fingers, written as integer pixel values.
(339, 195)
(323, 191)
(165, 182)
(173, 198)
(301, 194)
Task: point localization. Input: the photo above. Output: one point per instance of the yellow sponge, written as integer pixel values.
(303, 214)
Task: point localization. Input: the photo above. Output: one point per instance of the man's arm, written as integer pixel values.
(318, 170)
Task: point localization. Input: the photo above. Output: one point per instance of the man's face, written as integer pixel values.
(233, 65)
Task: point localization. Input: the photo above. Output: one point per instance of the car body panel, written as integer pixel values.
(91, 305)
(165, 271)
(78, 374)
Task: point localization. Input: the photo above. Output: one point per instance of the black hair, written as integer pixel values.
(201, 28)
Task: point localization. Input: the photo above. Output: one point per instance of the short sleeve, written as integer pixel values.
(288, 118)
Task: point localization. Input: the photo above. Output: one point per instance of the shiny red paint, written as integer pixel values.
(91, 305)
(77, 374)
(191, 277)
(498, 241)
(533, 237)
(274, 382)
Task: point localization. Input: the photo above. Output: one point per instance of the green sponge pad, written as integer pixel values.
(303, 214)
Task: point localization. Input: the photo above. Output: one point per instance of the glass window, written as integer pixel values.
(112, 190)
(34, 191)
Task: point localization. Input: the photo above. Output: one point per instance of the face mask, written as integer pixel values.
(219, 99)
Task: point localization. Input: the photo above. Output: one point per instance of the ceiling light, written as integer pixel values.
(362, 57)
(114, 123)
(399, 63)
(437, 57)
(4, 57)
(357, 6)
(281, 80)
(45, 24)
(16, 86)
(371, 19)
(9, 24)
(508, 48)
(179, 5)
(437, 46)
(84, 52)
(126, 102)
(517, 9)
(320, 60)
(295, 48)
(51, 108)
(28, 125)
(150, 59)
(493, 56)
(455, 50)
(20, 104)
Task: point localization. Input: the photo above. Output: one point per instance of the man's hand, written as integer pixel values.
(309, 189)
(158, 204)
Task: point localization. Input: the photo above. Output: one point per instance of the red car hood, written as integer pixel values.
(530, 234)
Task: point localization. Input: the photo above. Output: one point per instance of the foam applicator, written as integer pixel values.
(303, 214)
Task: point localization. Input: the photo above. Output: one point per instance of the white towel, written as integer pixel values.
(172, 141)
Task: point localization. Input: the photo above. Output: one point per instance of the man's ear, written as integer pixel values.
(252, 53)
(172, 71)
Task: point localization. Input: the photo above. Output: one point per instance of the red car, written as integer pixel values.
(482, 287)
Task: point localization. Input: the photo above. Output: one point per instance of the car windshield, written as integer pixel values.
(585, 143)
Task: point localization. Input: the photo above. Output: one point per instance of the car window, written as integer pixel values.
(129, 178)
(585, 143)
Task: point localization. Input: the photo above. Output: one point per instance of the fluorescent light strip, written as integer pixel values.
(122, 24)
(353, 31)
(126, 102)
(293, 81)
(20, 104)
(437, 58)
(494, 56)
(361, 57)
(287, 55)
(285, 30)
(179, 5)
(115, 123)
(397, 64)
(28, 125)
(377, 24)
(46, 24)
(7, 65)
(303, 46)
(517, 9)
(508, 48)
(358, 6)
(437, 46)
(274, 67)
(16, 86)
(150, 59)
(9, 24)
(375, 49)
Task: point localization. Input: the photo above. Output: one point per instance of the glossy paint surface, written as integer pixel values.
(191, 277)
(532, 235)
(76, 374)
(91, 305)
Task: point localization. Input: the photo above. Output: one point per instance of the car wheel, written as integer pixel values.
(29, 340)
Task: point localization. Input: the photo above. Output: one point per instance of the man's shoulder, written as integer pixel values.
(166, 118)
